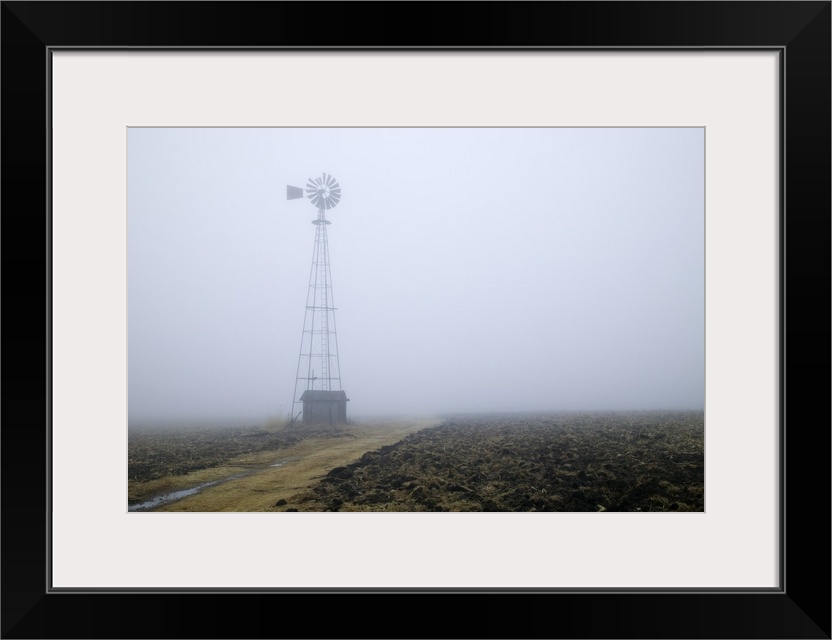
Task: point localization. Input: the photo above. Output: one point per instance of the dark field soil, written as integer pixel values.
(158, 453)
(652, 461)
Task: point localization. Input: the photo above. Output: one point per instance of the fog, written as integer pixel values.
(473, 270)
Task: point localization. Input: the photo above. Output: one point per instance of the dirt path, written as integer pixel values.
(270, 476)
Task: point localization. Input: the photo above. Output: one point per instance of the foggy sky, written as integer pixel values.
(499, 269)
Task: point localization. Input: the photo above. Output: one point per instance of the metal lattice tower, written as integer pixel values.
(318, 378)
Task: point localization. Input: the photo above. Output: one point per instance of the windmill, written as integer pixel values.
(318, 377)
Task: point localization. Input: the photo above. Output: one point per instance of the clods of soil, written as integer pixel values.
(645, 461)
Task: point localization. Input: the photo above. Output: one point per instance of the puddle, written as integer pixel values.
(158, 501)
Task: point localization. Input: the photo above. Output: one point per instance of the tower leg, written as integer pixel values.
(319, 340)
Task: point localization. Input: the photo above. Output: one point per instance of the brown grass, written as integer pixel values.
(304, 456)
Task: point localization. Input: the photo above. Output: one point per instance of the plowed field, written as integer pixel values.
(646, 461)
(651, 461)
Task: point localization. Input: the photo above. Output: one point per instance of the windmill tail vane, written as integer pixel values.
(293, 193)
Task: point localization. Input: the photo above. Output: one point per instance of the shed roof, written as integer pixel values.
(322, 395)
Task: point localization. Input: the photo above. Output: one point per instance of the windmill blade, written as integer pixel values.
(293, 193)
(323, 192)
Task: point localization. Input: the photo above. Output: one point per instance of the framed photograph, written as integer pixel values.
(111, 108)
(567, 314)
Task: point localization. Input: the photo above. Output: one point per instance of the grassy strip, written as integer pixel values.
(303, 456)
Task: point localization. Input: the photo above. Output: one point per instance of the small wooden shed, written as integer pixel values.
(324, 407)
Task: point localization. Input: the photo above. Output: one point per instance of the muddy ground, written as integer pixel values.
(650, 461)
(647, 461)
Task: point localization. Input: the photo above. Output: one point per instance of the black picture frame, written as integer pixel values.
(799, 31)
